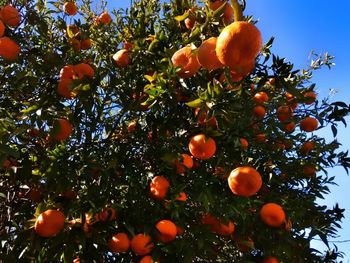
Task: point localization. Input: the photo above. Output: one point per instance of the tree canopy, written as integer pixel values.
(166, 132)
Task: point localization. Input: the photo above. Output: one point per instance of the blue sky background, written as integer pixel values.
(300, 27)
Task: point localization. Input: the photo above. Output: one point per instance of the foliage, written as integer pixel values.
(104, 164)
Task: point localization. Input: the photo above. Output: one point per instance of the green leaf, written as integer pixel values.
(183, 16)
(195, 103)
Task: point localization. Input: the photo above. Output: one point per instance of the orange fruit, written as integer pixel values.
(70, 8)
(84, 70)
(67, 72)
(65, 129)
(167, 231)
(49, 223)
(272, 214)
(128, 45)
(85, 44)
(10, 16)
(119, 243)
(185, 162)
(64, 88)
(189, 22)
(284, 113)
(261, 97)
(309, 124)
(238, 72)
(35, 195)
(141, 244)
(2, 28)
(202, 118)
(9, 49)
(148, 259)
(132, 126)
(228, 11)
(182, 197)
(223, 229)
(75, 43)
(289, 127)
(186, 58)
(310, 97)
(207, 55)
(104, 18)
(202, 147)
(76, 260)
(107, 214)
(244, 181)
(244, 143)
(122, 58)
(6, 164)
(307, 147)
(159, 187)
(259, 111)
(260, 138)
(270, 260)
(238, 44)
(244, 244)
(309, 170)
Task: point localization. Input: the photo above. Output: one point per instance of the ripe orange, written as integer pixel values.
(128, 45)
(67, 72)
(244, 143)
(141, 244)
(289, 127)
(185, 162)
(49, 223)
(70, 8)
(228, 12)
(64, 88)
(187, 59)
(307, 147)
(85, 44)
(223, 229)
(272, 214)
(148, 259)
(238, 44)
(104, 18)
(159, 187)
(2, 28)
(132, 126)
(84, 70)
(9, 49)
(107, 214)
(284, 113)
(119, 243)
(182, 197)
(10, 16)
(260, 137)
(259, 111)
(189, 22)
(309, 124)
(261, 97)
(167, 231)
(309, 170)
(207, 55)
(270, 260)
(65, 129)
(202, 118)
(202, 147)
(122, 58)
(35, 195)
(6, 164)
(238, 72)
(245, 181)
(310, 97)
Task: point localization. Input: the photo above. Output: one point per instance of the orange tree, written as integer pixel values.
(168, 131)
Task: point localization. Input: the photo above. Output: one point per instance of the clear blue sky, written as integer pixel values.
(300, 27)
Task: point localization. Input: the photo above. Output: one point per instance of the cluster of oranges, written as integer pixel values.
(9, 16)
